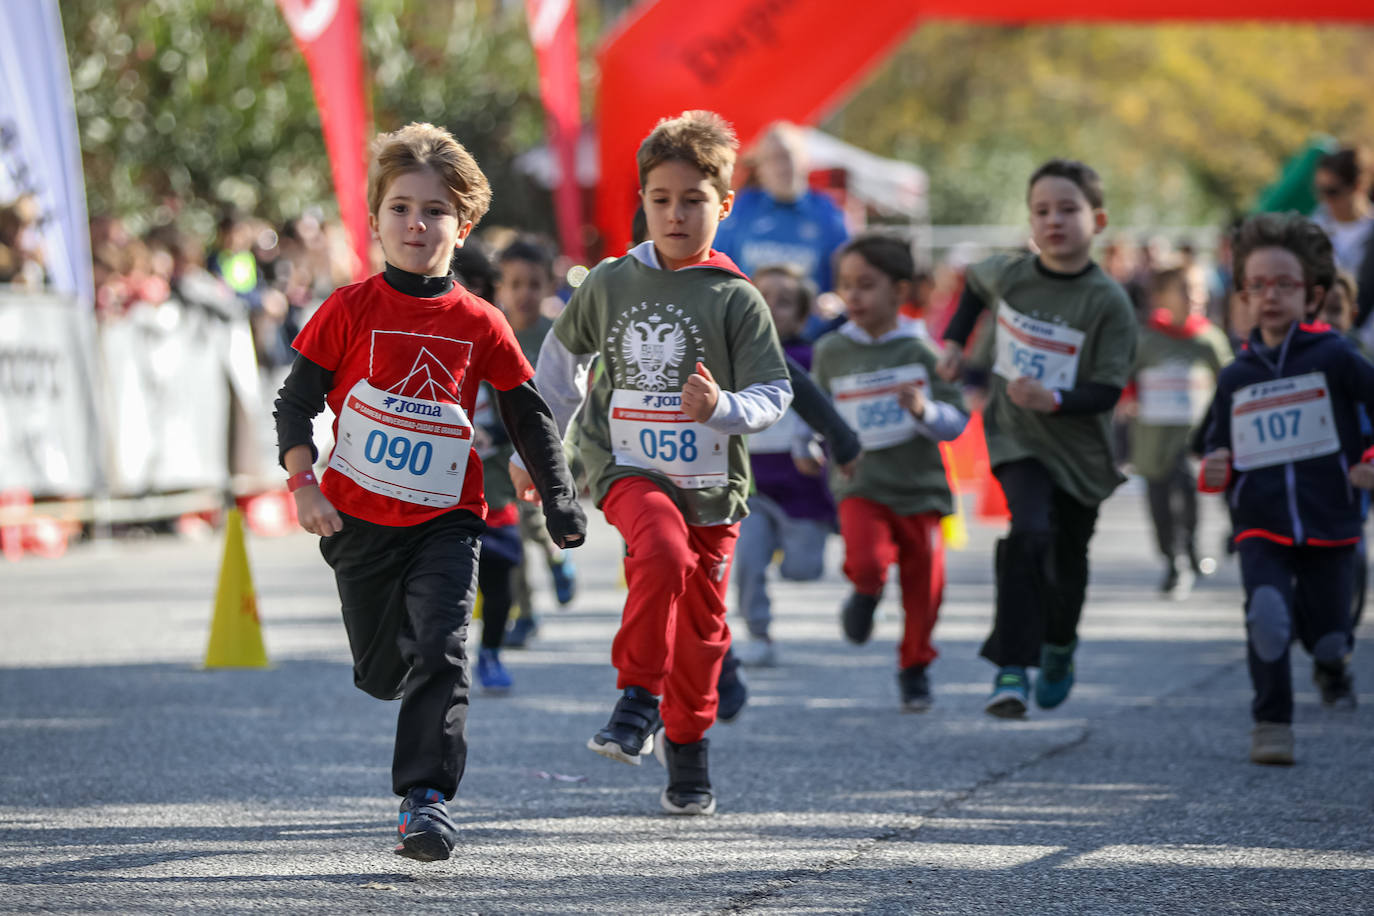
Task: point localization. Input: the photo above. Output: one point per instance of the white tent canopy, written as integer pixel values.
(888, 186)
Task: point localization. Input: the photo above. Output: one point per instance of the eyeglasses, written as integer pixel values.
(1330, 190)
(1284, 286)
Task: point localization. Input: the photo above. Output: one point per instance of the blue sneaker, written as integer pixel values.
(1010, 693)
(427, 833)
(491, 674)
(731, 689)
(1056, 675)
(521, 630)
(564, 580)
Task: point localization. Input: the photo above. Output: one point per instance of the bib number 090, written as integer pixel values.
(398, 452)
(668, 444)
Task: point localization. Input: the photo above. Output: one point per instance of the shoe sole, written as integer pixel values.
(917, 705)
(688, 810)
(423, 847)
(1272, 760)
(1006, 708)
(612, 751)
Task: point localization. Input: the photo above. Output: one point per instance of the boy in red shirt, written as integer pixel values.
(399, 358)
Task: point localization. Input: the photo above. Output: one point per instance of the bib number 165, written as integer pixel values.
(668, 444)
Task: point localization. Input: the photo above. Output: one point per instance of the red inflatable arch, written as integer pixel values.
(758, 61)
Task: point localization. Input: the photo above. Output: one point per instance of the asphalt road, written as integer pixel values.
(132, 781)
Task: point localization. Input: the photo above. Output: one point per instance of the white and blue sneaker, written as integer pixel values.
(1010, 693)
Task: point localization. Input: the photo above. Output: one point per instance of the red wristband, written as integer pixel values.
(303, 479)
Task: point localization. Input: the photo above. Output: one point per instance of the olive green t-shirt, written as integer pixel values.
(1072, 330)
(907, 476)
(1186, 368)
(651, 327)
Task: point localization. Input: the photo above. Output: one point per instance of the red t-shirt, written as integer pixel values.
(439, 349)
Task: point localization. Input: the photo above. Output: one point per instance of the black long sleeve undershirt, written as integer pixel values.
(534, 433)
(1083, 398)
(817, 412)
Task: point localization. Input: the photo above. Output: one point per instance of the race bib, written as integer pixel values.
(1029, 348)
(649, 430)
(868, 403)
(776, 439)
(1281, 421)
(410, 449)
(1174, 394)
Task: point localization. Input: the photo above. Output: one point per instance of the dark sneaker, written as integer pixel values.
(1272, 743)
(1336, 684)
(491, 674)
(522, 629)
(915, 688)
(857, 617)
(1170, 580)
(427, 833)
(1010, 694)
(689, 782)
(1056, 675)
(630, 732)
(564, 581)
(732, 689)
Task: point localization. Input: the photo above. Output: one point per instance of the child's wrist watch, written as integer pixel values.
(303, 479)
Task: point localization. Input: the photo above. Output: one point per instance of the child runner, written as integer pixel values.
(398, 358)
(525, 281)
(690, 365)
(1181, 353)
(1285, 444)
(880, 374)
(790, 510)
(1065, 343)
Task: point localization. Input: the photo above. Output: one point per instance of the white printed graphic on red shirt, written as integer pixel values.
(402, 432)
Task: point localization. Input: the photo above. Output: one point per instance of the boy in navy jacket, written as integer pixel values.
(1284, 442)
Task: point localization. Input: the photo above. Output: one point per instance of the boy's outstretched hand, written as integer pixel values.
(1362, 476)
(1216, 467)
(912, 400)
(566, 522)
(700, 395)
(524, 484)
(315, 513)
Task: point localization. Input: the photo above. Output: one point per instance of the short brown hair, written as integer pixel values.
(1291, 232)
(1081, 174)
(888, 253)
(424, 146)
(702, 139)
(806, 290)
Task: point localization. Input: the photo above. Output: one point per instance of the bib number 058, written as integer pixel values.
(397, 452)
(668, 444)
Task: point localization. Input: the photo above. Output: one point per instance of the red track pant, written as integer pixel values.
(875, 537)
(672, 634)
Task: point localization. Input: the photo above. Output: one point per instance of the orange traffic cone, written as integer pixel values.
(992, 502)
(235, 632)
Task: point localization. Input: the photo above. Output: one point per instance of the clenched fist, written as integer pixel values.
(700, 395)
(912, 399)
(1030, 394)
(1216, 467)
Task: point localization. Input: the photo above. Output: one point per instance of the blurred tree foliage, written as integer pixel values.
(209, 103)
(1185, 123)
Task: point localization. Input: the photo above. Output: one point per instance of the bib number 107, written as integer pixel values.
(398, 452)
(668, 444)
(1277, 425)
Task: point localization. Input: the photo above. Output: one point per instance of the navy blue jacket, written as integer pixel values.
(1309, 501)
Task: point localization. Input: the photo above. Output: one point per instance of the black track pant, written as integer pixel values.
(1173, 509)
(1292, 592)
(407, 597)
(1041, 566)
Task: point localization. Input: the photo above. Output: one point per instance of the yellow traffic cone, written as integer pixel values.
(235, 633)
(953, 527)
